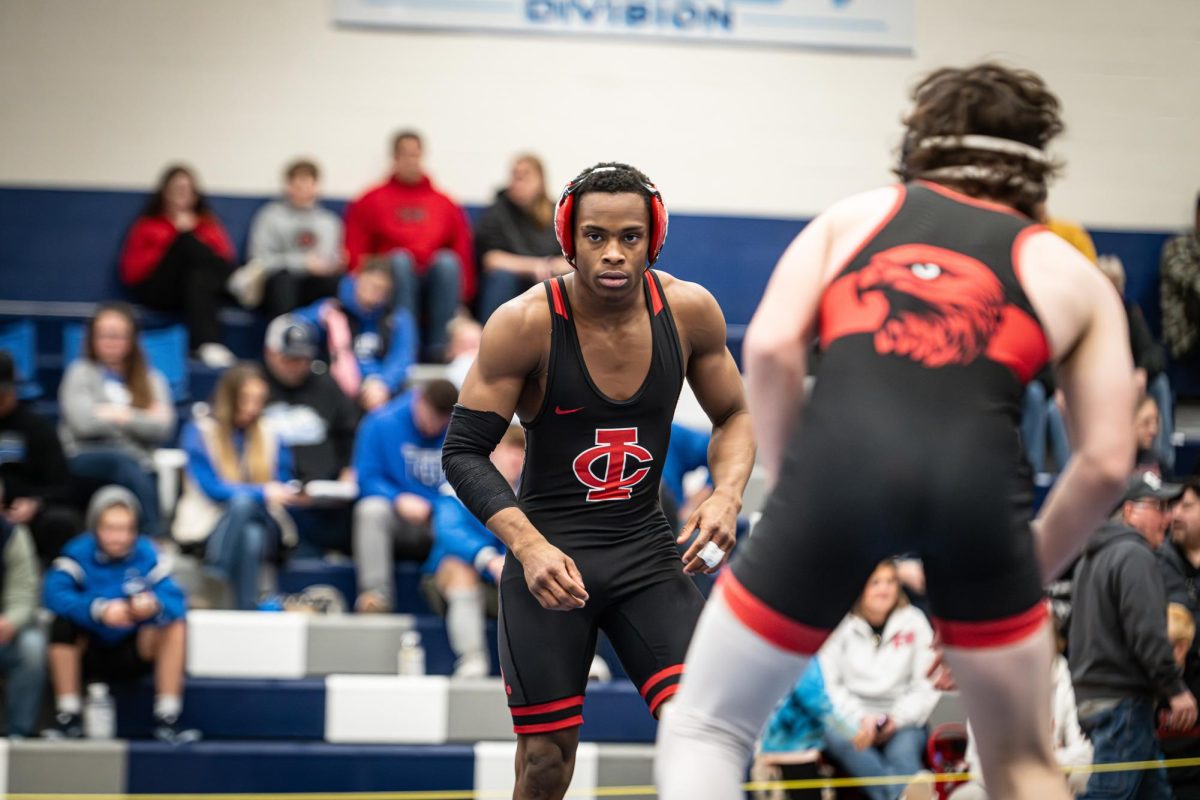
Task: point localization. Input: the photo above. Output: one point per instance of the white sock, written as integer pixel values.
(168, 706)
(732, 681)
(68, 704)
(464, 621)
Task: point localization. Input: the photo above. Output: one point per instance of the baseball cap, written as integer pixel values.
(8, 371)
(1148, 485)
(291, 336)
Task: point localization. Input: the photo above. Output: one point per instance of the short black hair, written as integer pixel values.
(1192, 484)
(441, 395)
(614, 177)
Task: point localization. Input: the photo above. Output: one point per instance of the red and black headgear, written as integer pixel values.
(564, 212)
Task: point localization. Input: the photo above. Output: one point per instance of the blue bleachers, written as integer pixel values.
(294, 710)
(302, 573)
(165, 349)
(19, 338)
(244, 767)
(232, 709)
(63, 245)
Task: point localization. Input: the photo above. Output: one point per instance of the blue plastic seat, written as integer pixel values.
(20, 340)
(165, 349)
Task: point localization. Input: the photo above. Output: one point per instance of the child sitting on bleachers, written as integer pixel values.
(116, 409)
(119, 616)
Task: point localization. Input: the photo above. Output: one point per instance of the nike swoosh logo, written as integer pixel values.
(560, 411)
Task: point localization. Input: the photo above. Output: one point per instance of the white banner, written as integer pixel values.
(885, 25)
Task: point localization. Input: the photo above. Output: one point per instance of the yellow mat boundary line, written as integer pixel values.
(602, 791)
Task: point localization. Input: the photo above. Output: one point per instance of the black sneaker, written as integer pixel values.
(66, 726)
(166, 729)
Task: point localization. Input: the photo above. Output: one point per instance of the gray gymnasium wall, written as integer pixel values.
(101, 95)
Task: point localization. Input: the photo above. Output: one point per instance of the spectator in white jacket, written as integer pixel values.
(875, 665)
(1071, 746)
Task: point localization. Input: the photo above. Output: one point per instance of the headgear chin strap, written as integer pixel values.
(564, 217)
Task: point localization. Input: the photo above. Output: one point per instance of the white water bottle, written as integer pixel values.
(99, 713)
(412, 654)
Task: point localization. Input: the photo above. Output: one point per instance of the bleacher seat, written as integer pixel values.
(300, 573)
(350, 708)
(165, 349)
(20, 340)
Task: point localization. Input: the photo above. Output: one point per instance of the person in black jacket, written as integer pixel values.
(312, 416)
(33, 470)
(515, 238)
(1120, 656)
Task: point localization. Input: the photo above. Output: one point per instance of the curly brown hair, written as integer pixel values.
(983, 100)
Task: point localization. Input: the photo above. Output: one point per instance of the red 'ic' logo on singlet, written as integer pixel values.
(602, 468)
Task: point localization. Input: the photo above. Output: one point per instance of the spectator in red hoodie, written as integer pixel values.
(426, 236)
(177, 257)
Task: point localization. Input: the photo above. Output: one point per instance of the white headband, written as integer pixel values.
(990, 143)
(977, 173)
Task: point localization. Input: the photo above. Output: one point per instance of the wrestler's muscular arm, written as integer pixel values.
(1085, 324)
(505, 367)
(714, 378)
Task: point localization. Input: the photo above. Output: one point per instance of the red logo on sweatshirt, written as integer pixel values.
(603, 468)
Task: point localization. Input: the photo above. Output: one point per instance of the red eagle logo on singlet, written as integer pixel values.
(934, 306)
(602, 468)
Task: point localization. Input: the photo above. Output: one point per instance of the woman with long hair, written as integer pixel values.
(116, 409)
(178, 257)
(515, 237)
(875, 666)
(236, 486)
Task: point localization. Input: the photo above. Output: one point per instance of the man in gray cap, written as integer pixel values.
(313, 417)
(1120, 655)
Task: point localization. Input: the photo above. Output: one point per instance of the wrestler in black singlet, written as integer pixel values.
(590, 486)
(910, 441)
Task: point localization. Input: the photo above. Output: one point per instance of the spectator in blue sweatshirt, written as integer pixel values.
(236, 488)
(465, 556)
(398, 459)
(118, 616)
(368, 343)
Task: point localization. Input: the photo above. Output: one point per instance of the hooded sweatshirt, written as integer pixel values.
(282, 236)
(413, 217)
(151, 237)
(384, 341)
(1118, 638)
(874, 675)
(84, 579)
